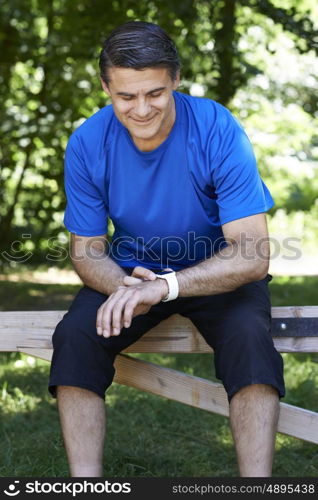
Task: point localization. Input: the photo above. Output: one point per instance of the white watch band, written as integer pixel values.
(173, 285)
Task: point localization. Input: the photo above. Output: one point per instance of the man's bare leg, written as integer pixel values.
(82, 416)
(254, 412)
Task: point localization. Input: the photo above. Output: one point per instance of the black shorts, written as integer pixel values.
(235, 324)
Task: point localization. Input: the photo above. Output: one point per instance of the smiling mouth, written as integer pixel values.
(143, 122)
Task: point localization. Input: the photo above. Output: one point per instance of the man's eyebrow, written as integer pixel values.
(127, 94)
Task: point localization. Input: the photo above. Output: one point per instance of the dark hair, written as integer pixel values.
(138, 45)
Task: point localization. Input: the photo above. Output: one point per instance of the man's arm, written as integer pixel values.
(91, 262)
(245, 259)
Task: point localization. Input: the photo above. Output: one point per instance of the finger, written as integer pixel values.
(99, 318)
(100, 315)
(106, 316)
(142, 272)
(168, 269)
(117, 313)
(129, 280)
(129, 311)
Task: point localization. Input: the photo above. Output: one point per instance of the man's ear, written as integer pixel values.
(104, 86)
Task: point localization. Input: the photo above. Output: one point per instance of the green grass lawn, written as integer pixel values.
(146, 435)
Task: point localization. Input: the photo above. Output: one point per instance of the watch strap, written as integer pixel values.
(173, 285)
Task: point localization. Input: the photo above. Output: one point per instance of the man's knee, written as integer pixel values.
(247, 356)
(255, 391)
(80, 357)
(61, 332)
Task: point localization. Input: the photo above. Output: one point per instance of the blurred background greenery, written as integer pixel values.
(258, 58)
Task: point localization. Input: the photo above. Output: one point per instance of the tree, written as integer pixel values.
(49, 83)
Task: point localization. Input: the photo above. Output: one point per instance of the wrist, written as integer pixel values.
(163, 287)
(119, 282)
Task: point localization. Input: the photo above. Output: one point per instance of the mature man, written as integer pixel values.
(177, 176)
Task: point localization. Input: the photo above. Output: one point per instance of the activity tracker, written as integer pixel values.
(173, 285)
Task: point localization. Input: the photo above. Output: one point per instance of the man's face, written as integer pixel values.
(143, 103)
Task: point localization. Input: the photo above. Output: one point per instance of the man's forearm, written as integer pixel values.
(95, 268)
(105, 276)
(224, 272)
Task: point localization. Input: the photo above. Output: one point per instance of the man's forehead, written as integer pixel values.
(131, 80)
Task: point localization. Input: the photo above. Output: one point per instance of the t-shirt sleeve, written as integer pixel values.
(86, 212)
(239, 189)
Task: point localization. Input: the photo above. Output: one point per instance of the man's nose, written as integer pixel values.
(142, 108)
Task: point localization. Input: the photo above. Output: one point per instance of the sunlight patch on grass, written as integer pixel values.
(23, 362)
(36, 293)
(13, 400)
(42, 274)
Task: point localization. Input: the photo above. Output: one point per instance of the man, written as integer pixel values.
(177, 176)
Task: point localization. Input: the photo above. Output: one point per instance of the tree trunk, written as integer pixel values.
(225, 51)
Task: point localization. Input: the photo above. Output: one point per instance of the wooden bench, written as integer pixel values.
(294, 329)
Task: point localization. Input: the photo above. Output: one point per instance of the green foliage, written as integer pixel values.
(230, 51)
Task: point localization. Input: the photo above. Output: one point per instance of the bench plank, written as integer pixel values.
(45, 354)
(157, 345)
(198, 392)
(294, 329)
(205, 394)
(154, 342)
(33, 329)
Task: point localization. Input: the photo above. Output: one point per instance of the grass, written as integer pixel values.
(146, 435)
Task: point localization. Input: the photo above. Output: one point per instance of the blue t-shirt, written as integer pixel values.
(167, 205)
